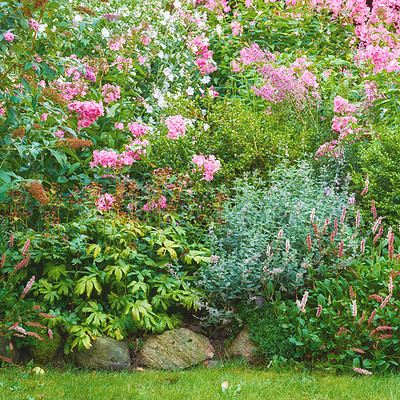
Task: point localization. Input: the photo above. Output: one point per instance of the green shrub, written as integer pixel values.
(267, 331)
(379, 159)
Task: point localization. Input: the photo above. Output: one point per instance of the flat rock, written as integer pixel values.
(175, 349)
(242, 346)
(105, 353)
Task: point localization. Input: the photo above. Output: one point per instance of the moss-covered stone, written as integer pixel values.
(45, 350)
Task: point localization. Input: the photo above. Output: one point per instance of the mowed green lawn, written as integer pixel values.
(198, 383)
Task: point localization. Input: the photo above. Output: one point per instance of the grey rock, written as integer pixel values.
(105, 353)
(175, 349)
(242, 346)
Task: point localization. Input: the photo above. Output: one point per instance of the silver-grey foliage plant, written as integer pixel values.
(265, 230)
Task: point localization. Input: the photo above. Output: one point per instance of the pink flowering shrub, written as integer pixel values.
(88, 112)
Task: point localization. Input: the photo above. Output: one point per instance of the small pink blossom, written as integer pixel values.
(59, 133)
(33, 24)
(8, 36)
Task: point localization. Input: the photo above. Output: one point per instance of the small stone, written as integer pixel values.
(242, 346)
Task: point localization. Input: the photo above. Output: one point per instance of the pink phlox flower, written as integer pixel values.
(209, 166)
(342, 105)
(88, 111)
(105, 202)
(176, 125)
(9, 36)
(119, 125)
(33, 24)
(137, 129)
(153, 206)
(237, 28)
(111, 93)
(116, 44)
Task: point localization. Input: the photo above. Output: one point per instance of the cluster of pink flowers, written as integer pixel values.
(105, 202)
(33, 24)
(176, 125)
(237, 28)
(154, 206)
(137, 129)
(9, 36)
(88, 112)
(116, 43)
(295, 84)
(209, 166)
(112, 159)
(111, 93)
(123, 63)
(199, 46)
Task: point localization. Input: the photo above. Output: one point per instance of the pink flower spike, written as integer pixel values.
(319, 309)
(340, 254)
(376, 225)
(309, 243)
(26, 247)
(379, 234)
(364, 192)
(312, 216)
(373, 209)
(362, 371)
(3, 260)
(28, 286)
(280, 234)
(343, 216)
(358, 219)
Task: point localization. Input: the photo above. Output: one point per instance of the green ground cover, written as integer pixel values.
(196, 384)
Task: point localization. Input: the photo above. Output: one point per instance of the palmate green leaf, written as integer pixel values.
(117, 270)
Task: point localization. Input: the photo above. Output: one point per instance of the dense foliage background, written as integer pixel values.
(162, 159)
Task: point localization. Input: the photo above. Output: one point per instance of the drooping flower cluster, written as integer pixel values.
(88, 112)
(208, 166)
